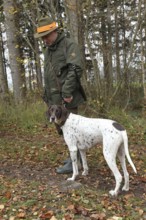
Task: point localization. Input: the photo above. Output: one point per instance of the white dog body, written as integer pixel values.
(82, 133)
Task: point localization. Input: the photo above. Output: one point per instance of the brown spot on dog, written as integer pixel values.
(118, 126)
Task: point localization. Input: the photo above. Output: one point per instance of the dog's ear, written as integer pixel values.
(58, 112)
(64, 114)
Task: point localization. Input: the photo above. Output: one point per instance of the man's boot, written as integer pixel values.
(67, 167)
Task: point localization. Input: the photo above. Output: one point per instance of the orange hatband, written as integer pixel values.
(46, 27)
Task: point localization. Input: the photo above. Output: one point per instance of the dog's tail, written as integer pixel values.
(125, 139)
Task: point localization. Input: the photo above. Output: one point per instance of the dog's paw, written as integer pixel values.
(85, 173)
(70, 179)
(125, 188)
(113, 193)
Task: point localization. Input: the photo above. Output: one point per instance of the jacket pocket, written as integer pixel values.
(54, 91)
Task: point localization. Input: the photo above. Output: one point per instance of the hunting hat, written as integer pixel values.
(45, 26)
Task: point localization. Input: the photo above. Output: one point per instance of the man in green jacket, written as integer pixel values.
(62, 71)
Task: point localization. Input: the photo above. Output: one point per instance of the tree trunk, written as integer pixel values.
(124, 45)
(118, 70)
(71, 10)
(14, 47)
(109, 46)
(143, 59)
(3, 76)
(36, 54)
(104, 51)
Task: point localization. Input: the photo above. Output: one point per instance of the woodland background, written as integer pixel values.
(112, 37)
(110, 34)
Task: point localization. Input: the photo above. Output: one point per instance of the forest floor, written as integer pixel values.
(30, 188)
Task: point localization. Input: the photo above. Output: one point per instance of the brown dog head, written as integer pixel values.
(57, 114)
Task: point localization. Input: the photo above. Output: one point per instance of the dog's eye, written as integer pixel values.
(57, 110)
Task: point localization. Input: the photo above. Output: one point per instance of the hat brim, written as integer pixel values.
(38, 35)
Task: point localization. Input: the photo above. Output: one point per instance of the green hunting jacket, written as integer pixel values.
(60, 80)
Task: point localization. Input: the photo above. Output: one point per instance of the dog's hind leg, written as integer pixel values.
(110, 157)
(121, 156)
(73, 155)
(84, 161)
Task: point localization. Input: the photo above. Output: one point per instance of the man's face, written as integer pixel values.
(50, 38)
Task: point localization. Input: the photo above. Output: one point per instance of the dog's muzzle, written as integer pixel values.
(52, 119)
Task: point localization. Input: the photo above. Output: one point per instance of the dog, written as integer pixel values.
(81, 133)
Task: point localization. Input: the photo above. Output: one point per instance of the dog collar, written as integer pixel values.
(63, 122)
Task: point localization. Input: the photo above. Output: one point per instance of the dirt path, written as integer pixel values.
(98, 178)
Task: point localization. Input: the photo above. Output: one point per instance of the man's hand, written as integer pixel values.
(68, 100)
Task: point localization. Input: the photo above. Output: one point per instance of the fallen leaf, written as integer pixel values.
(2, 207)
(100, 216)
(115, 218)
(21, 215)
(141, 212)
(53, 218)
(8, 195)
(12, 218)
(47, 215)
(71, 207)
(86, 201)
(15, 199)
(35, 213)
(67, 217)
(85, 212)
(128, 196)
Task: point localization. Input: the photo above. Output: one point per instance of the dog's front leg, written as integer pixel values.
(73, 155)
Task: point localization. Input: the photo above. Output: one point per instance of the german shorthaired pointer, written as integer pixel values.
(82, 133)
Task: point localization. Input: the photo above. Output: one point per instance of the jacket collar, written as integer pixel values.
(60, 37)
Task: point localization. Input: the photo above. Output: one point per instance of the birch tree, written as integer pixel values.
(14, 50)
(3, 76)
